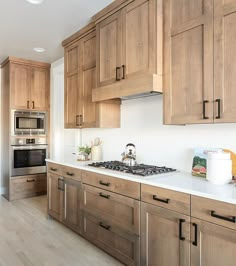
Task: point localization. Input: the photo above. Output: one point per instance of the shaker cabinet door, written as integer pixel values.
(224, 61)
(188, 64)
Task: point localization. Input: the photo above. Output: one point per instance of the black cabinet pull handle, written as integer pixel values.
(53, 169)
(218, 102)
(107, 227)
(76, 120)
(104, 184)
(70, 174)
(123, 68)
(104, 196)
(80, 120)
(58, 184)
(204, 109)
(33, 105)
(28, 105)
(161, 200)
(181, 237)
(117, 68)
(30, 180)
(195, 234)
(229, 219)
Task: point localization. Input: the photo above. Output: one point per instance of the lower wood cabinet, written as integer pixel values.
(27, 186)
(211, 244)
(165, 236)
(64, 200)
(120, 244)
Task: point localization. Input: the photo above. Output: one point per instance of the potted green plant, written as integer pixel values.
(84, 152)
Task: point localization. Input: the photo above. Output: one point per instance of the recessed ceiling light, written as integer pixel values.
(35, 2)
(39, 50)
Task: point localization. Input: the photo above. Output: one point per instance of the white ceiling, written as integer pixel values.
(24, 26)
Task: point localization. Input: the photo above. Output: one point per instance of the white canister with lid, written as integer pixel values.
(219, 167)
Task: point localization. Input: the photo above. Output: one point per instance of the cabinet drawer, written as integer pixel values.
(72, 173)
(27, 186)
(55, 168)
(176, 201)
(121, 245)
(121, 186)
(118, 210)
(214, 211)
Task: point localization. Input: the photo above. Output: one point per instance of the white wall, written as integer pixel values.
(141, 124)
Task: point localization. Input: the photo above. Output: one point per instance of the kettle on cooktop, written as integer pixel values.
(129, 155)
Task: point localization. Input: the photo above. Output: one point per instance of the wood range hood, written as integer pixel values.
(142, 86)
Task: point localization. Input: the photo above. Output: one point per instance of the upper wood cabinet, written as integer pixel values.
(199, 80)
(80, 78)
(29, 84)
(129, 50)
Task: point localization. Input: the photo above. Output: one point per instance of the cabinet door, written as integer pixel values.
(160, 237)
(40, 89)
(88, 79)
(71, 211)
(224, 60)
(20, 79)
(72, 112)
(188, 61)
(214, 245)
(109, 49)
(139, 38)
(55, 196)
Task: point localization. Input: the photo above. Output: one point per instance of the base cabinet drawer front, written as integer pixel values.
(55, 196)
(119, 210)
(27, 186)
(121, 245)
(161, 230)
(212, 245)
(120, 186)
(55, 168)
(214, 211)
(70, 172)
(176, 201)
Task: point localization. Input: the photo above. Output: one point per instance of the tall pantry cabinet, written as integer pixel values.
(199, 61)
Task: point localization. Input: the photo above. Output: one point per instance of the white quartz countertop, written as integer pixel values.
(178, 181)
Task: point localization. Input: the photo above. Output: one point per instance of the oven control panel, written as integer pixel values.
(21, 141)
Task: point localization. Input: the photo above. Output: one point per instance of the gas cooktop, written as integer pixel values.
(139, 169)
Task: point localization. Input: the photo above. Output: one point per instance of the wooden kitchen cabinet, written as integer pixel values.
(71, 210)
(199, 80)
(29, 84)
(161, 230)
(129, 50)
(55, 196)
(211, 244)
(80, 78)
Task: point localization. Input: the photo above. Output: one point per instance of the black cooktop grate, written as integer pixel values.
(139, 169)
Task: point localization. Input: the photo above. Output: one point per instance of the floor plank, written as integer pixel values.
(28, 238)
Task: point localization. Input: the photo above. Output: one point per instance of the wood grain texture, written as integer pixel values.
(119, 210)
(188, 61)
(160, 244)
(179, 202)
(22, 61)
(29, 238)
(201, 208)
(121, 245)
(27, 186)
(120, 186)
(224, 58)
(216, 245)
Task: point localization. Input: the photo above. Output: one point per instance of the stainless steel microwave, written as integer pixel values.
(28, 123)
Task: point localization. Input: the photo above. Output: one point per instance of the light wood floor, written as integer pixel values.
(28, 238)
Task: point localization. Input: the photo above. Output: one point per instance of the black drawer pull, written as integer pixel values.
(53, 169)
(181, 237)
(117, 68)
(70, 174)
(30, 180)
(195, 235)
(123, 67)
(218, 107)
(161, 200)
(229, 219)
(104, 184)
(107, 227)
(104, 196)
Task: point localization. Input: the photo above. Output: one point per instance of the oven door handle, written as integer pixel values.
(29, 147)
